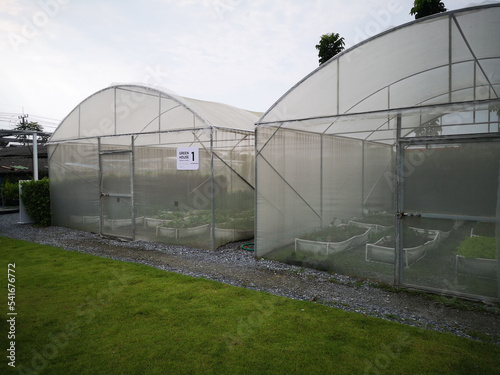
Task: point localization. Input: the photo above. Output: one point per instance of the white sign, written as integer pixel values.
(188, 158)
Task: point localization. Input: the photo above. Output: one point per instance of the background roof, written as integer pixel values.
(451, 57)
(132, 109)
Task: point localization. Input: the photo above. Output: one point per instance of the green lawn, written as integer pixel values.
(80, 314)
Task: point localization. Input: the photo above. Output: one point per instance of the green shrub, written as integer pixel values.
(36, 199)
(478, 247)
(10, 193)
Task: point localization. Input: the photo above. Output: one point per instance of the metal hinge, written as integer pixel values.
(409, 214)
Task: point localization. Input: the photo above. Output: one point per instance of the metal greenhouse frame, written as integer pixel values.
(384, 162)
(137, 162)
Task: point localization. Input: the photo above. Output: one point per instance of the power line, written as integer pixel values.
(8, 120)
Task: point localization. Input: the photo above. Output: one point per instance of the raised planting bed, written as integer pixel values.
(150, 222)
(178, 224)
(231, 225)
(333, 239)
(432, 225)
(378, 222)
(202, 230)
(122, 223)
(108, 223)
(476, 256)
(85, 220)
(417, 245)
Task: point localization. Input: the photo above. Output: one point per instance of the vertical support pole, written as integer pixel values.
(212, 187)
(497, 235)
(362, 178)
(159, 118)
(114, 111)
(321, 179)
(132, 173)
(35, 156)
(1, 193)
(338, 86)
(256, 193)
(398, 263)
(450, 65)
(101, 219)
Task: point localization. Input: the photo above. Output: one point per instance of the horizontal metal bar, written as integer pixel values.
(486, 219)
(479, 137)
(113, 195)
(179, 130)
(383, 112)
(115, 152)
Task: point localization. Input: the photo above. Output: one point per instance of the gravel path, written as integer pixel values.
(232, 265)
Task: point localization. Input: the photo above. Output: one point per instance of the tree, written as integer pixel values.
(329, 45)
(24, 125)
(429, 129)
(424, 8)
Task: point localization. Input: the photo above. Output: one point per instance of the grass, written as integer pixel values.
(80, 314)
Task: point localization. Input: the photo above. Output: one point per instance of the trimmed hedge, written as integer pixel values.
(36, 199)
(10, 193)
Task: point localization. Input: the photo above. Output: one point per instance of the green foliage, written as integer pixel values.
(230, 219)
(36, 199)
(335, 233)
(329, 45)
(25, 125)
(183, 325)
(234, 219)
(478, 247)
(10, 193)
(424, 8)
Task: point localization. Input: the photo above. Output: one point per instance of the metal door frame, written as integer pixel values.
(401, 144)
(103, 194)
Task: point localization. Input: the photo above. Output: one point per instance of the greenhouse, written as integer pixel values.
(383, 163)
(140, 163)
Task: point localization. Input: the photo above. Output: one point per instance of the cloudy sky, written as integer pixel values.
(247, 53)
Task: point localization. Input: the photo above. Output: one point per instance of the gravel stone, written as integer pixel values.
(232, 265)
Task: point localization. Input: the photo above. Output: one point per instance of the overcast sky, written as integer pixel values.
(247, 53)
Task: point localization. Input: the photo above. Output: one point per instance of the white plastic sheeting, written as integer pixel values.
(406, 122)
(113, 167)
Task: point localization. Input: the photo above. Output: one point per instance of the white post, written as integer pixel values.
(35, 157)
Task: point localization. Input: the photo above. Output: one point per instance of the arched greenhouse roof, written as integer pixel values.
(137, 109)
(448, 59)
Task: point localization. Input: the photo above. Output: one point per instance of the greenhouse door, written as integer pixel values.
(448, 198)
(116, 186)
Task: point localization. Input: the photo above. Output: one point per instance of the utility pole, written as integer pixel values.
(23, 124)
